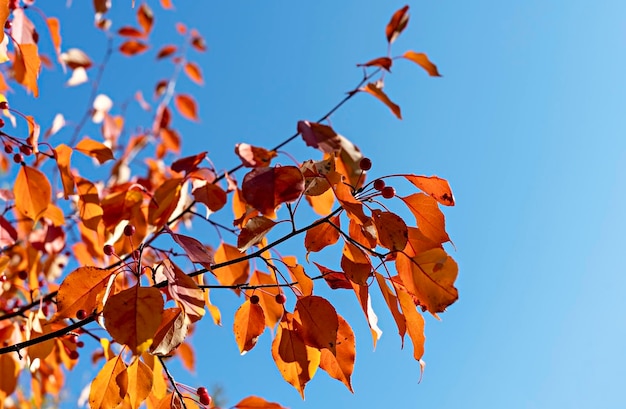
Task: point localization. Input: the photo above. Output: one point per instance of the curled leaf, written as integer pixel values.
(255, 229)
(397, 24)
(422, 60)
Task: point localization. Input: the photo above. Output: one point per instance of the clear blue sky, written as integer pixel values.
(528, 126)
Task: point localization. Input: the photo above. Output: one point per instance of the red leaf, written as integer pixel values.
(382, 62)
(145, 16)
(184, 290)
(254, 156)
(196, 251)
(422, 60)
(372, 89)
(8, 234)
(166, 51)
(434, 186)
(322, 235)
(256, 228)
(133, 47)
(266, 188)
(186, 106)
(334, 279)
(319, 136)
(211, 195)
(128, 31)
(392, 231)
(189, 163)
(397, 24)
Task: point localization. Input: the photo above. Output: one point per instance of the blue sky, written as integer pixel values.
(527, 125)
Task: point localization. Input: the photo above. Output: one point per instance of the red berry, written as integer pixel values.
(45, 309)
(4, 105)
(388, 192)
(18, 158)
(3, 278)
(26, 150)
(379, 184)
(8, 148)
(80, 344)
(204, 396)
(108, 250)
(365, 164)
(1, 123)
(254, 299)
(129, 230)
(81, 314)
(23, 275)
(73, 338)
(73, 354)
(136, 254)
(8, 24)
(280, 298)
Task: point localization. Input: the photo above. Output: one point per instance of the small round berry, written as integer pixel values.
(73, 338)
(73, 354)
(18, 158)
(388, 192)
(108, 250)
(1, 123)
(379, 184)
(3, 278)
(8, 24)
(80, 344)
(204, 396)
(129, 230)
(8, 148)
(23, 275)
(280, 298)
(81, 314)
(254, 299)
(26, 150)
(365, 164)
(4, 105)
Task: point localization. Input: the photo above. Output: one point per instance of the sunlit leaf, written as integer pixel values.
(32, 191)
(304, 284)
(267, 296)
(430, 219)
(184, 290)
(319, 136)
(319, 322)
(211, 195)
(140, 379)
(164, 201)
(76, 58)
(433, 186)
(63, 155)
(145, 16)
(133, 47)
(189, 163)
(109, 387)
(254, 156)
(397, 24)
(392, 303)
(9, 371)
(254, 402)
(248, 325)
(391, 230)
(128, 31)
(334, 279)
(266, 188)
(166, 51)
(194, 72)
(253, 232)
(95, 149)
(26, 67)
(382, 62)
(171, 332)
(341, 364)
(422, 60)
(226, 273)
(196, 251)
(414, 321)
(186, 106)
(323, 235)
(372, 89)
(90, 211)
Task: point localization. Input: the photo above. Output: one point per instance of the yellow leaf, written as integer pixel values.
(133, 316)
(110, 385)
(139, 382)
(32, 191)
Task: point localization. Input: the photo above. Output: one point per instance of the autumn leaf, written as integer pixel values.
(323, 235)
(171, 332)
(422, 60)
(63, 154)
(164, 201)
(226, 273)
(319, 136)
(253, 232)
(210, 195)
(133, 47)
(8, 234)
(188, 163)
(89, 209)
(184, 290)
(430, 219)
(341, 364)
(4, 15)
(392, 304)
(414, 321)
(266, 188)
(304, 284)
(334, 279)
(254, 156)
(391, 230)
(397, 24)
(196, 251)
(350, 204)
(32, 191)
(296, 361)
(54, 27)
(9, 371)
(194, 72)
(374, 90)
(186, 106)
(166, 51)
(128, 31)
(133, 316)
(267, 297)
(382, 62)
(319, 322)
(95, 149)
(433, 186)
(26, 67)
(145, 16)
(110, 386)
(248, 325)
(254, 402)
(430, 277)
(140, 379)
(80, 290)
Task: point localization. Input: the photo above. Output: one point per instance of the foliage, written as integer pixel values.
(83, 247)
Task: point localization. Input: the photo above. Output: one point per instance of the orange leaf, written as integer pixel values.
(128, 31)
(166, 51)
(392, 231)
(266, 188)
(4, 15)
(80, 291)
(429, 277)
(304, 282)
(319, 136)
(267, 298)
(334, 279)
(164, 201)
(189, 163)
(433, 186)
(392, 303)
(194, 72)
(145, 16)
(171, 332)
(397, 24)
(140, 380)
(184, 291)
(55, 33)
(110, 386)
(32, 191)
(211, 195)
(430, 219)
(364, 234)
(196, 251)
(95, 149)
(352, 206)
(422, 60)
(296, 361)
(26, 67)
(89, 208)
(255, 229)
(322, 204)
(382, 62)
(341, 365)
(319, 322)
(63, 153)
(133, 47)
(231, 274)
(197, 41)
(253, 156)
(186, 106)
(323, 235)
(254, 402)
(9, 371)
(414, 322)
(133, 316)
(248, 326)
(371, 88)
